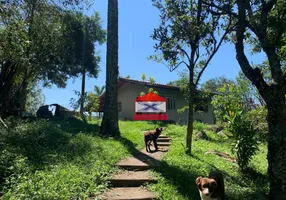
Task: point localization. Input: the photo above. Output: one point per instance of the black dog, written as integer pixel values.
(150, 136)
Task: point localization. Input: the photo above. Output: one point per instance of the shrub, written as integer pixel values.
(245, 144)
(258, 118)
(200, 126)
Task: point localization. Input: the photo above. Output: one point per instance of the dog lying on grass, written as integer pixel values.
(212, 187)
(150, 136)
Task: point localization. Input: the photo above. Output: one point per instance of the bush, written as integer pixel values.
(258, 118)
(200, 126)
(245, 144)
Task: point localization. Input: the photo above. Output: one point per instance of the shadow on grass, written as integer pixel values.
(46, 142)
(185, 181)
(74, 125)
(182, 180)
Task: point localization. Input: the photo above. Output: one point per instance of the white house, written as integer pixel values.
(129, 90)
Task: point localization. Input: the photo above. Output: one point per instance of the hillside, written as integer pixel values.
(68, 159)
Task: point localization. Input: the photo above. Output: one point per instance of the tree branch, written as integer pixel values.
(254, 75)
(268, 6)
(214, 51)
(220, 9)
(175, 67)
(3, 123)
(268, 48)
(181, 49)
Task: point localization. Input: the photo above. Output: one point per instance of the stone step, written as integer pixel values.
(164, 139)
(163, 136)
(131, 179)
(133, 163)
(128, 193)
(162, 144)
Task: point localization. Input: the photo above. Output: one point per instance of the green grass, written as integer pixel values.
(179, 170)
(68, 159)
(62, 159)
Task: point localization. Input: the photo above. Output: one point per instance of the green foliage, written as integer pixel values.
(83, 33)
(153, 91)
(245, 143)
(57, 159)
(82, 162)
(99, 90)
(143, 77)
(152, 80)
(229, 107)
(258, 118)
(45, 42)
(35, 99)
(227, 102)
(90, 101)
(177, 175)
(250, 94)
(213, 84)
(200, 126)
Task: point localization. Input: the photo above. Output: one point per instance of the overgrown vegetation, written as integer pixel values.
(68, 159)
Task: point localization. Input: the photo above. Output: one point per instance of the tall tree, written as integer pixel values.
(36, 45)
(187, 35)
(266, 22)
(86, 32)
(213, 84)
(109, 124)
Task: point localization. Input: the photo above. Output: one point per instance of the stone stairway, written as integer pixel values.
(128, 183)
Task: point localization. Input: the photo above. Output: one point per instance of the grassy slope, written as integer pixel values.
(179, 171)
(62, 159)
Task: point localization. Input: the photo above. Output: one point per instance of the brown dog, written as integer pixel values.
(211, 188)
(150, 136)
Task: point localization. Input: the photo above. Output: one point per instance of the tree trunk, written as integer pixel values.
(23, 96)
(109, 124)
(191, 114)
(190, 125)
(82, 96)
(276, 104)
(7, 74)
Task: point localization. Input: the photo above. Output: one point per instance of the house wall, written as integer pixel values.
(128, 92)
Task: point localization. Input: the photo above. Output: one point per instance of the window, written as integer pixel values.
(202, 106)
(119, 106)
(171, 103)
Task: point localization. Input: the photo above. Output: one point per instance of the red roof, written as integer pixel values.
(150, 97)
(156, 85)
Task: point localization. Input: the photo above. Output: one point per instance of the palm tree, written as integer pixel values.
(109, 124)
(99, 90)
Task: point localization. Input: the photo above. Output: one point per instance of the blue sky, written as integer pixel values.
(137, 19)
